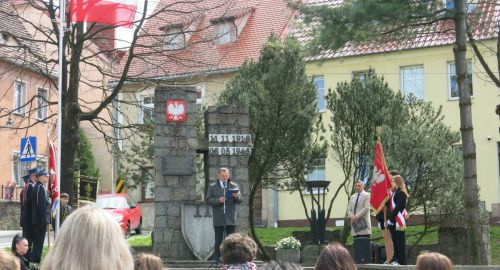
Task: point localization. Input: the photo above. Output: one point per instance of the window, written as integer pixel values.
(20, 169)
(412, 80)
(148, 188)
(320, 88)
(450, 5)
(361, 75)
(200, 94)
(225, 32)
(41, 112)
(174, 38)
(316, 173)
(147, 109)
(19, 97)
(453, 84)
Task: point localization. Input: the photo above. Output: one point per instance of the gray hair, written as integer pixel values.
(90, 239)
(223, 169)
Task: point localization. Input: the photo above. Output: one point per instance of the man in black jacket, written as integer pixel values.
(26, 208)
(40, 202)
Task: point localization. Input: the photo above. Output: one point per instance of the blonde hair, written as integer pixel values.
(8, 261)
(145, 261)
(433, 261)
(398, 180)
(91, 239)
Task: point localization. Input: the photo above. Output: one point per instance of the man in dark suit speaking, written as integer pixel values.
(223, 196)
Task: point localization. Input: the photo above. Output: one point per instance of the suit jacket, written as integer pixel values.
(399, 199)
(40, 202)
(26, 207)
(214, 192)
(362, 211)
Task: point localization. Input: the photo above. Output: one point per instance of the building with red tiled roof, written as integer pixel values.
(199, 43)
(420, 62)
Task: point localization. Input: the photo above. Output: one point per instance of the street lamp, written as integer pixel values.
(318, 222)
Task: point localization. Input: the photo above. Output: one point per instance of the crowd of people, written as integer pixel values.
(92, 240)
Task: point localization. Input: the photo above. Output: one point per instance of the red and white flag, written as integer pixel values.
(53, 177)
(381, 181)
(110, 12)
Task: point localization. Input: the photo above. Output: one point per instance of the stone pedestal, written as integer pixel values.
(288, 255)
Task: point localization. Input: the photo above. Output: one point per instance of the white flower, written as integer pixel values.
(288, 243)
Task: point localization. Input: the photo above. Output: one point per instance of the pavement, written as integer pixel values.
(7, 236)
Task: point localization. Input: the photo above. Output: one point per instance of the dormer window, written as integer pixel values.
(225, 32)
(3, 37)
(175, 38)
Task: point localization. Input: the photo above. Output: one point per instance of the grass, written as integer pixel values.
(140, 240)
(269, 236)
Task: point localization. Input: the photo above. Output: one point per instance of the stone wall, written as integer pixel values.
(9, 215)
(230, 120)
(174, 142)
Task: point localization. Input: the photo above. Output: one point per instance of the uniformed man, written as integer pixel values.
(40, 201)
(26, 208)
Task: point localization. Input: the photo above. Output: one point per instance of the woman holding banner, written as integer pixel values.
(397, 220)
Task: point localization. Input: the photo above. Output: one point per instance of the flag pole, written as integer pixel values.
(62, 12)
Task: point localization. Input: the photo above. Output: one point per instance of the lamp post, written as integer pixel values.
(318, 220)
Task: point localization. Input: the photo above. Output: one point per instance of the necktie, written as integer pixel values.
(356, 203)
(224, 184)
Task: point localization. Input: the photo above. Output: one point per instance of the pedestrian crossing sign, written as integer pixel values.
(28, 149)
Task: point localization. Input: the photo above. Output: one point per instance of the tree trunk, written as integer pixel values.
(476, 247)
(253, 189)
(71, 118)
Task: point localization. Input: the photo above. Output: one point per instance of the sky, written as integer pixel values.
(126, 34)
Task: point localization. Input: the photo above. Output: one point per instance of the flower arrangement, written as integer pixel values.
(288, 243)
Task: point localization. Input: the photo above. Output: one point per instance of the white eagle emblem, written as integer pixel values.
(176, 111)
(378, 176)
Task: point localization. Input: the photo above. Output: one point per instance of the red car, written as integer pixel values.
(124, 209)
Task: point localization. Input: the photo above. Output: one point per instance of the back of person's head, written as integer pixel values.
(276, 265)
(334, 257)
(143, 261)
(238, 248)
(433, 261)
(89, 239)
(8, 261)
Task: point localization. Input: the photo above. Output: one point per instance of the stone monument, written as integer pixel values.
(183, 227)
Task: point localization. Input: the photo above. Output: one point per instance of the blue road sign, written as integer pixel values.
(28, 149)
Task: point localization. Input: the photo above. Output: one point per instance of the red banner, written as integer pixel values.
(110, 12)
(53, 170)
(381, 181)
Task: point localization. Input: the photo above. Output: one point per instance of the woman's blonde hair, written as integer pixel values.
(90, 239)
(8, 261)
(398, 180)
(433, 261)
(145, 261)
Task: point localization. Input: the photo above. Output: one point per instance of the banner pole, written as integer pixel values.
(62, 13)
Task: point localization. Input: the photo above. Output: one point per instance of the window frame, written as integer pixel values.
(229, 35)
(174, 34)
(19, 109)
(319, 163)
(402, 78)
(320, 93)
(44, 108)
(149, 106)
(469, 74)
(144, 192)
